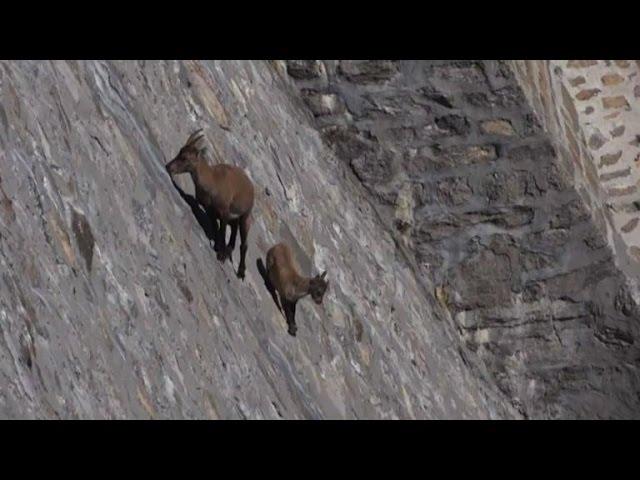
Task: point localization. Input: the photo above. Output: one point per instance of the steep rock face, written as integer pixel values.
(495, 213)
(112, 304)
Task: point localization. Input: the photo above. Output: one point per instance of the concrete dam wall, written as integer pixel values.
(480, 254)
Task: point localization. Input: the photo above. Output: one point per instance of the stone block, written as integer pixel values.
(367, 71)
(497, 127)
(305, 69)
(612, 79)
(615, 102)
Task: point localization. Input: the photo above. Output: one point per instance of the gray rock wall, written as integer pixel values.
(494, 213)
(112, 304)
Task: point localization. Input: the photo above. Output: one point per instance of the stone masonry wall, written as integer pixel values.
(590, 108)
(473, 181)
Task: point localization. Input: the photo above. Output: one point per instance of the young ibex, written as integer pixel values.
(281, 276)
(225, 192)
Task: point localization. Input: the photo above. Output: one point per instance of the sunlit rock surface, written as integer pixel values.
(112, 303)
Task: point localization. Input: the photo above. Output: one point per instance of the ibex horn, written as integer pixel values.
(193, 136)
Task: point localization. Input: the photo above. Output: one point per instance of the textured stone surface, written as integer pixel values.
(475, 272)
(507, 218)
(112, 304)
(610, 122)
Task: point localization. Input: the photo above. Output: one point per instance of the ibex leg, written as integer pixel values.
(232, 239)
(213, 218)
(220, 242)
(290, 314)
(245, 223)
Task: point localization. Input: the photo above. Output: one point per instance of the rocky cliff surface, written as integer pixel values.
(113, 305)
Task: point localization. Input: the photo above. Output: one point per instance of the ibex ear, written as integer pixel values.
(203, 151)
(324, 274)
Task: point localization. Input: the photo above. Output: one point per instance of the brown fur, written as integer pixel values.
(282, 277)
(224, 191)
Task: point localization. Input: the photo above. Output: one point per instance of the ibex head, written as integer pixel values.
(188, 155)
(318, 286)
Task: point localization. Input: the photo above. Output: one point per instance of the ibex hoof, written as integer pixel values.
(292, 331)
(241, 274)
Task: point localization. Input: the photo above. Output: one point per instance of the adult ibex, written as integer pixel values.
(224, 191)
(281, 276)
